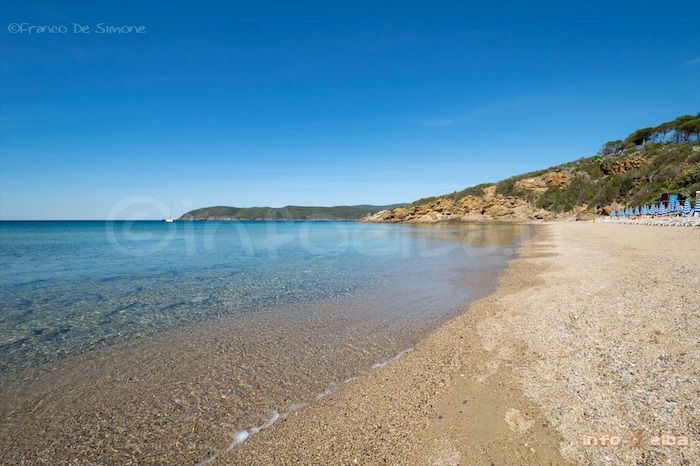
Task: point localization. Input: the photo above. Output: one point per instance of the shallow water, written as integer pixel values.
(222, 326)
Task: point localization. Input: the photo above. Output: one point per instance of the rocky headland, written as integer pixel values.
(472, 208)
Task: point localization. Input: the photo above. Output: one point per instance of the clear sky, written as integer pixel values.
(320, 103)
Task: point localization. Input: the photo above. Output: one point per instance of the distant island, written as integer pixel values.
(290, 212)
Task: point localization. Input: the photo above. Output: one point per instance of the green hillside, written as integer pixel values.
(647, 163)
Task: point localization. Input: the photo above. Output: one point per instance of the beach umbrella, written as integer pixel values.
(696, 210)
(636, 211)
(645, 210)
(654, 209)
(662, 208)
(686, 208)
(629, 211)
(673, 207)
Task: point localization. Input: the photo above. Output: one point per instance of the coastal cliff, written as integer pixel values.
(488, 206)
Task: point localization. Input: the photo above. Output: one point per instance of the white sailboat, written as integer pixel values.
(170, 217)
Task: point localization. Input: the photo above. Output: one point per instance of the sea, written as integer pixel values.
(127, 341)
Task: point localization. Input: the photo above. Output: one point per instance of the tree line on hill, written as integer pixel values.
(683, 129)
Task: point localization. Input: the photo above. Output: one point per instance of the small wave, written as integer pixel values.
(395, 358)
(326, 393)
(243, 435)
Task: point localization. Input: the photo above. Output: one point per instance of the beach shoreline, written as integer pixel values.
(585, 353)
(591, 336)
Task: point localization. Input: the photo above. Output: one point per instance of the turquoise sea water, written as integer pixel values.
(68, 287)
(263, 305)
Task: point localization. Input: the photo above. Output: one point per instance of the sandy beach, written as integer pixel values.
(587, 354)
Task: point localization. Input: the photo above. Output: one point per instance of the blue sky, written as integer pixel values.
(320, 103)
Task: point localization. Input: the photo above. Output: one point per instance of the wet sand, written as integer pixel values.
(179, 397)
(594, 331)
